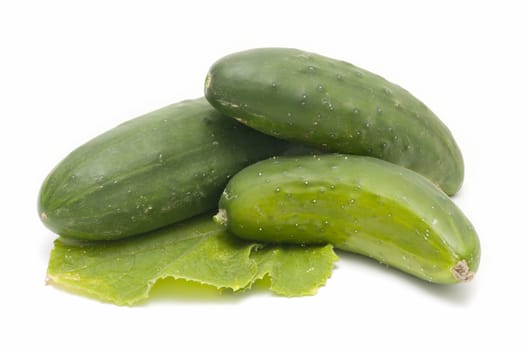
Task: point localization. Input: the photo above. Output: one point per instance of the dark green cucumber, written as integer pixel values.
(359, 204)
(304, 97)
(149, 172)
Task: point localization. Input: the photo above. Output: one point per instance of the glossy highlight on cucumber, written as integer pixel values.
(151, 171)
(336, 106)
(359, 204)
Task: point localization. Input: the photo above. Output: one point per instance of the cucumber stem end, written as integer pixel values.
(461, 271)
(221, 217)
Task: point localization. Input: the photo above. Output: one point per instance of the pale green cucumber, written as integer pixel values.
(358, 204)
(334, 105)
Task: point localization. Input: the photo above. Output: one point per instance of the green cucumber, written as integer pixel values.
(331, 104)
(359, 204)
(149, 172)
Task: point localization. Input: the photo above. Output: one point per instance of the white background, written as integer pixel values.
(70, 70)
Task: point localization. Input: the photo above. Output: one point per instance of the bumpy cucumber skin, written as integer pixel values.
(149, 172)
(305, 97)
(359, 204)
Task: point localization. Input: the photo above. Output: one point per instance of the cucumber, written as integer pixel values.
(359, 204)
(149, 172)
(334, 105)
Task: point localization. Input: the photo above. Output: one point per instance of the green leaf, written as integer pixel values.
(123, 272)
(295, 270)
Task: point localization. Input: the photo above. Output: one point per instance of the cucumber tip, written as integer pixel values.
(461, 271)
(221, 217)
